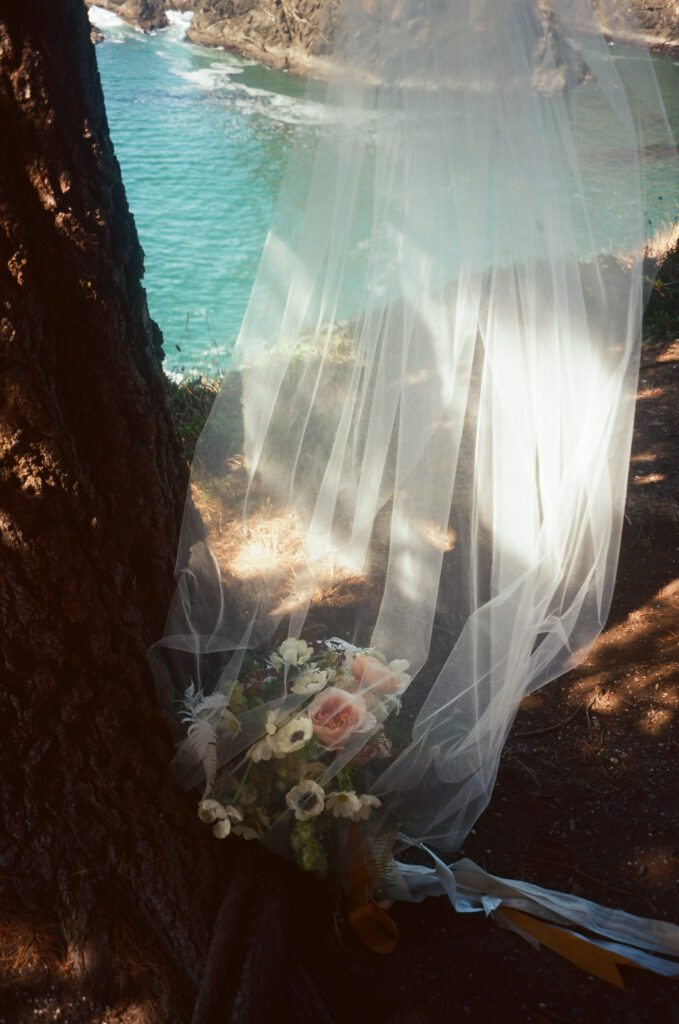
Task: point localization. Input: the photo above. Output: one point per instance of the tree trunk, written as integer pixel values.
(96, 839)
(91, 489)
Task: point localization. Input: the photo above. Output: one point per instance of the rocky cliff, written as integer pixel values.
(148, 15)
(285, 33)
(660, 23)
(658, 20)
(281, 33)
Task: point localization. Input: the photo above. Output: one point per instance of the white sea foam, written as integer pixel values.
(207, 79)
(179, 19)
(279, 107)
(115, 30)
(295, 111)
(214, 78)
(104, 19)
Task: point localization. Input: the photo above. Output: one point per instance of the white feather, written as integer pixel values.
(203, 741)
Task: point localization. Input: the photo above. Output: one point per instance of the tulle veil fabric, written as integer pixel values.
(422, 442)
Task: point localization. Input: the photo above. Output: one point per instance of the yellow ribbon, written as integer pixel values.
(602, 963)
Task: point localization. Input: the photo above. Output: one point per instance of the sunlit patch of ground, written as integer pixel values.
(262, 553)
(586, 798)
(39, 982)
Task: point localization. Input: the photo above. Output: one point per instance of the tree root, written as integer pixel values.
(253, 974)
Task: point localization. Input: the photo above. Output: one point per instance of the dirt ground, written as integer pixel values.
(586, 801)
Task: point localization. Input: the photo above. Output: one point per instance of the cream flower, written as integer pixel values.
(261, 750)
(367, 804)
(222, 828)
(291, 652)
(210, 810)
(292, 737)
(310, 682)
(244, 831)
(389, 679)
(343, 805)
(234, 813)
(274, 720)
(306, 799)
(265, 749)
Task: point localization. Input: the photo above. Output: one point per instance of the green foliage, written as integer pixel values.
(308, 847)
(190, 404)
(662, 312)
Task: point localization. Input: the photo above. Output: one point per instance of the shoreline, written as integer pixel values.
(222, 29)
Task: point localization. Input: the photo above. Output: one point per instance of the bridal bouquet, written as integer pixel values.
(293, 742)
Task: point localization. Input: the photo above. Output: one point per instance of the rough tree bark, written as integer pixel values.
(91, 491)
(94, 833)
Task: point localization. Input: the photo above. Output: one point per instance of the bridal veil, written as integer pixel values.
(422, 443)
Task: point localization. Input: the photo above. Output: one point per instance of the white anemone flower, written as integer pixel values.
(367, 804)
(292, 652)
(306, 799)
(343, 805)
(293, 736)
(310, 682)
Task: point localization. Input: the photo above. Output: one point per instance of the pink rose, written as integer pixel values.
(336, 715)
(385, 679)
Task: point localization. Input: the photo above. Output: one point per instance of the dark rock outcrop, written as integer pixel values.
(148, 15)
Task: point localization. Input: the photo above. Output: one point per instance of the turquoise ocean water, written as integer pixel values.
(202, 138)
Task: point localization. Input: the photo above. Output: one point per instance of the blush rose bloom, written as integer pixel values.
(391, 679)
(336, 715)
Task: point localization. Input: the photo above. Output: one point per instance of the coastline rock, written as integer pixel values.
(658, 24)
(96, 35)
(148, 15)
(280, 33)
(285, 33)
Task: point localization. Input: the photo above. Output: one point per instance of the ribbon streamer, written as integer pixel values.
(372, 924)
(545, 917)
